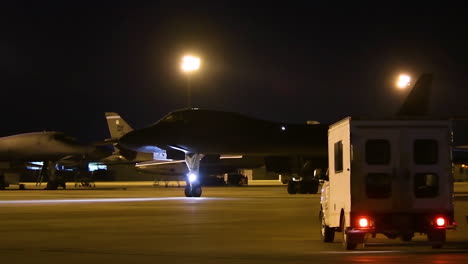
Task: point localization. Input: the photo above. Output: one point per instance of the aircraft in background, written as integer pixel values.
(119, 127)
(53, 148)
(417, 101)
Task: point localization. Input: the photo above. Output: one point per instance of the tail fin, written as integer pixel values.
(117, 126)
(417, 102)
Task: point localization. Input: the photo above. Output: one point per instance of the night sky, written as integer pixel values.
(64, 63)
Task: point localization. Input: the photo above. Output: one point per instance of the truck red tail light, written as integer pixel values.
(363, 222)
(440, 222)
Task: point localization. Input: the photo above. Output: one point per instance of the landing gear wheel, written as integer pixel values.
(304, 187)
(196, 191)
(437, 237)
(292, 187)
(193, 191)
(326, 233)
(188, 191)
(407, 237)
(52, 186)
(314, 187)
(349, 240)
(2, 182)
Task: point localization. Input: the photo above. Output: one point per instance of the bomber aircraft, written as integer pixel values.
(199, 132)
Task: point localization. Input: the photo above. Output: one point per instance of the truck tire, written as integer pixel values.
(326, 233)
(349, 240)
(292, 187)
(436, 237)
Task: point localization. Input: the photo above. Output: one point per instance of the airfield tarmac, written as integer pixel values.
(138, 224)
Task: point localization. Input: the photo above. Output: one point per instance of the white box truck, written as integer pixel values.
(391, 177)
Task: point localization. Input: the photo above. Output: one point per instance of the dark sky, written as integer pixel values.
(64, 63)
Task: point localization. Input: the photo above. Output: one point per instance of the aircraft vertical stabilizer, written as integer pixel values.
(117, 126)
(417, 102)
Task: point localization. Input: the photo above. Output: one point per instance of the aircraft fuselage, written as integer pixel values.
(39, 146)
(215, 132)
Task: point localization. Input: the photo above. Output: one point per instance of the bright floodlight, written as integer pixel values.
(403, 81)
(190, 63)
(192, 177)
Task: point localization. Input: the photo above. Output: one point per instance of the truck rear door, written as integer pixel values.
(403, 169)
(427, 167)
(376, 159)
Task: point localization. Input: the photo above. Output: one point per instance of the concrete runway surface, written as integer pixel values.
(157, 225)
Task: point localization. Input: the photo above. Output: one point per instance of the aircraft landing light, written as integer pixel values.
(106, 200)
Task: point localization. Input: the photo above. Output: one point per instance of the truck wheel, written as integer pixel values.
(292, 187)
(326, 233)
(349, 241)
(436, 237)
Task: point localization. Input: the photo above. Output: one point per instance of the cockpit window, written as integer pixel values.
(173, 117)
(168, 118)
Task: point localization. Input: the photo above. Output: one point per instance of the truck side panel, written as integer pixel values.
(339, 172)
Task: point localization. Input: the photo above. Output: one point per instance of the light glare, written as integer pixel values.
(440, 221)
(190, 63)
(363, 222)
(192, 177)
(403, 81)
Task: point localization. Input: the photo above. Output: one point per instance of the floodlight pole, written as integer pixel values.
(189, 88)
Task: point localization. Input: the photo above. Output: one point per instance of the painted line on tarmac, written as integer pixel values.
(362, 252)
(108, 200)
(407, 251)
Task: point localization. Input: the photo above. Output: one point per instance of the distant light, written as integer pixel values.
(312, 122)
(192, 177)
(403, 81)
(93, 166)
(283, 128)
(190, 63)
